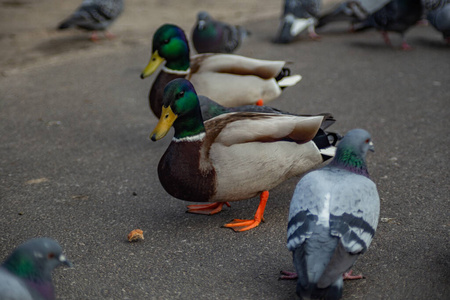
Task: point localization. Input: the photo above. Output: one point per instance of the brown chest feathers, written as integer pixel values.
(180, 175)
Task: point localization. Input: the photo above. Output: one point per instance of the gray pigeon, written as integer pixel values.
(297, 16)
(438, 14)
(332, 219)
(396, 16)
(353, 11)
(26, 273)
(94, 15)
(212, 36)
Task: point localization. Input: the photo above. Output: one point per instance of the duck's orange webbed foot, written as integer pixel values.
(207, 209)
(243, 225)
(260, 102)
(348, 276)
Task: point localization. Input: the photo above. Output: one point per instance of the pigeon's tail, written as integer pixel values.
(65, 24)
(309, 266)
(284, 32)
(243, 32)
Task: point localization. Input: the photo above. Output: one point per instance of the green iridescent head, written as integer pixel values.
(169, 45)
(181, 110)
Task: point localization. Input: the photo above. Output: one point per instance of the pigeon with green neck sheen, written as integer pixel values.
(213, 36)
(27, 273)
(332, 219)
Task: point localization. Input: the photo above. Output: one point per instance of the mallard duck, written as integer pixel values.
(231, 80)
(233, 156)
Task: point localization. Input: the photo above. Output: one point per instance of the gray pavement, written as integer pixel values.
(76, 164)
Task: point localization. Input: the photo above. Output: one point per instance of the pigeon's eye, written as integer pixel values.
(51, 255)
(367, 141)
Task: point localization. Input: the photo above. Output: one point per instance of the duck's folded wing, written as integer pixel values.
(236, 64)
(243, 127)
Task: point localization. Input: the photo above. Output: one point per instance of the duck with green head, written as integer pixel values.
(231, 80)
(233, 156)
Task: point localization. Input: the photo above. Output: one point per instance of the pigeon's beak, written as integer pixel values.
(164, 124)
(63, 260)
(371, 147)
(153, 64)
(201, 24)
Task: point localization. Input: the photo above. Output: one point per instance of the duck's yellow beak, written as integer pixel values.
(164, 124)
(154, 63)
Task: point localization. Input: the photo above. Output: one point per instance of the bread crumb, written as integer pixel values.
(135, 235)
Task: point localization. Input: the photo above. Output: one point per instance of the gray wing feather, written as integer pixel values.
(354, 211)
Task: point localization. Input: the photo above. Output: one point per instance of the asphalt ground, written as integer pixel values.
(77, 165)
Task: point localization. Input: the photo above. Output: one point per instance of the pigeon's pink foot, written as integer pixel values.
(406, 46)
(386, 38)
(286, 275)
(94, 36)
(348, 276)
(314, 36)
(109, 35)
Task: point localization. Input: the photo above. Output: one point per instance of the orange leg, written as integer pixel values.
(243, 225)
(260, 102)
(207, 209)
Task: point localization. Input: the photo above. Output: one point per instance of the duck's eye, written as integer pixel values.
(180, 94)
(51, 255)
(166, 41)
(367, 141)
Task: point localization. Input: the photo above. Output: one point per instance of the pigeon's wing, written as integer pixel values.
(354, 212)
(307, 204)
(11, 288)
(232, 37)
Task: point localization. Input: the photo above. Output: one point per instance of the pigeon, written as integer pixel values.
(353, 11)
(332, 219)
(397, 16)
(26, 273)
(297, 16)
(212, 36)
(438, 14)
(94, 15)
